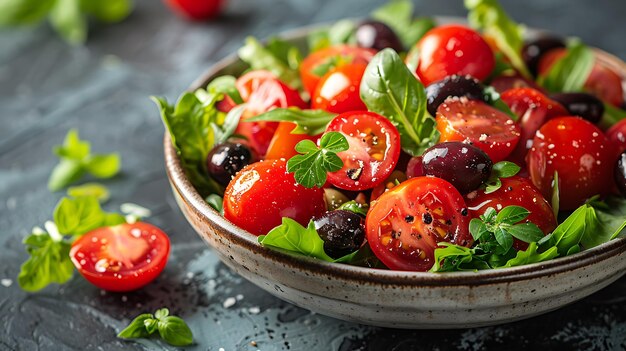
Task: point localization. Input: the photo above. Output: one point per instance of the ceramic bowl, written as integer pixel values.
(393, 298)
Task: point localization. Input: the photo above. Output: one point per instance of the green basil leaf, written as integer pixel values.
(81, 215)
(217, 202)
(311, 122)
(151, 325)
(512, 215)
(503, 169)
(526, 232)
(355, 207)
(66, 18)
(97, 190)
(66, 172)
(363, 257)
(490, 17)
(504, 238)
(451, 258)
(137, 328)
(569, 233)
(227, 129)
(293, 237)
(161, 313)
(570, 72)
(530, 255)
(103, 166)
(398, 15)
(492, 185)
(260, 58)
(175, 331)
(493, 98)
(478, 229)
(108, 11)
(225, 85)
(73, 147)
(49, 262)
(24, 12)
(606, 223)
(390, 89)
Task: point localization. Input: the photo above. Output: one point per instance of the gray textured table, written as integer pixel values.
(47, 87)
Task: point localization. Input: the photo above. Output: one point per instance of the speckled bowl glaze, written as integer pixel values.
(392, 298)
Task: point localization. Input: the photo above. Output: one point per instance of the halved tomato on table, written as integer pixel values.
(262, 91)
(373, 153)
(318, 63)
(124, 257)
(407, 223)
(475, 122)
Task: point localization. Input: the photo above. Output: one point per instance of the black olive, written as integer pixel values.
(533, 50)
(454, 85)
(584, 105)
(464, 166)
(377, 35)
(343, 232)
(620, 173)
(226, 159)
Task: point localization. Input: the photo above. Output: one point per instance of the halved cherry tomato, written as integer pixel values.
(263, 92)
(392, 181)
(338, 90)
(533, 109)
(315, 65)
(124, 257)
(602, 82)
(264, 192)
(406, 224)
(579, 152)
(489, 129)
(196, 10)
(283, 144)
(453, 49)
(515, 191)
(373, 153)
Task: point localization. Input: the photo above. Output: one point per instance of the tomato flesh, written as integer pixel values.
(262, 193)
(332, 57)
(338, 90)
(453, 49)
(373, 153)
(475, 122)
(123, 257)
(515, 191)
(579, 152)
(407, 223)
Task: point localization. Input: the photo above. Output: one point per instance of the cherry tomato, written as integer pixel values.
(373, 153)
(263, 193)
(489, 129)
(505, 82)
(263, 92)
(393, 180)
(406, 224)
(315, 65)
(338, 90)
(617, 136)
(602, 82)
(283, 144)
(515, 191)
(579, 152)
(196, 10)
(453, 49)
(533, 109)
(124, 257)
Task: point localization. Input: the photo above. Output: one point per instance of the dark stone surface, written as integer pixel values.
(47, 87)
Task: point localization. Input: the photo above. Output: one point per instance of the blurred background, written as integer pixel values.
(101, 87)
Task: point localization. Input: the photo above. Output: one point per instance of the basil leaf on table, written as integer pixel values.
(398, 15)
(137, 328)
(490, 17)
(259, 57)
(312, 164)
(390, 89)
(97, 190)
(172, 329)
(76, 160)
(569, 73)
(311, 122)
(49, 262)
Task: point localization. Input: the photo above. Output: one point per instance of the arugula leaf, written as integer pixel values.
(311, 122)
(261, 58)
(97, 190)
(398, 15)
(390, 89)
(190, 125)
(503, 169)
(490, 17)
(570, 72)
(76, 160)
(49, 262)
(172, 329)
(228, 127)
(293, 237)
(310, 168)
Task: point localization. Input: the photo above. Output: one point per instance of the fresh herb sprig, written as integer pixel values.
(172, 329)
(76, 160)
(390, 89)
(494, 231)
(503, 169)
(311, 167)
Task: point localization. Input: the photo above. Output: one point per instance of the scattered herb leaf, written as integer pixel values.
(96, 190)
(172, 329)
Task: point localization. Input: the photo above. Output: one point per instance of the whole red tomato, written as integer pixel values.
(196, 10)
